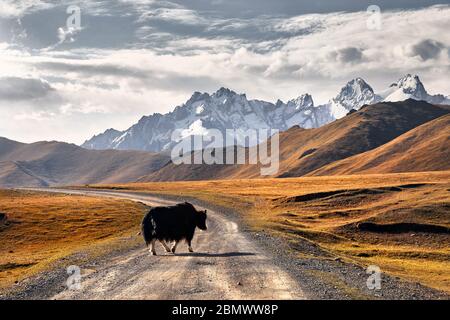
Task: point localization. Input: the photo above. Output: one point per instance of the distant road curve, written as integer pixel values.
(225, 265)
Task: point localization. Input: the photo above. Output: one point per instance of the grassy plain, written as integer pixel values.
(329, 211)
(44, 227)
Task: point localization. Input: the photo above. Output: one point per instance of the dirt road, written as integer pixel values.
(225, 265)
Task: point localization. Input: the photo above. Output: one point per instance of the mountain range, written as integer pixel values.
(225, 109)
(384, 137)
(345, 144)
(380, 137)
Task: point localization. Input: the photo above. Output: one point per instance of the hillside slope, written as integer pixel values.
(56, 163)
(425, 148)
(367, 129)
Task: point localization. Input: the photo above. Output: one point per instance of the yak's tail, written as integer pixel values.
(147, 229)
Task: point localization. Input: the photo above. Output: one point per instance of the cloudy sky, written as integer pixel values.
(131, 58)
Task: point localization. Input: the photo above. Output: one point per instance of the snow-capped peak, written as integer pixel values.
(304, 101)
(353, 95)
(225, 109)
(224, 92)
(409, 82)
(410, 87)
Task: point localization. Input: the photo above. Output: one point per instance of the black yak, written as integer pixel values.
(174, 223)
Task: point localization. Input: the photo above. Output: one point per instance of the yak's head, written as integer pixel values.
(201, 220)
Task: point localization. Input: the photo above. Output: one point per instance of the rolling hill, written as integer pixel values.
(367, 129)
(57, 163)
(425, 148)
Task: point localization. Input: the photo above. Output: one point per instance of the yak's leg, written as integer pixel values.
(189, 243)
(165, 245)
(174, 248)
(153, 250)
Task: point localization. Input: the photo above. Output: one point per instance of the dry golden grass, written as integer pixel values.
(425, 148)
(43, 227)
(331, 222)
(268, 188)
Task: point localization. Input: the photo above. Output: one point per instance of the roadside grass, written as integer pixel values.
(43, 228)
(296, 208)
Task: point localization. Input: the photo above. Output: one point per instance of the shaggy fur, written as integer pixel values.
(173, 223)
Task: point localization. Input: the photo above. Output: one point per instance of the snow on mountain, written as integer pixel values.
(410, 87)
(225, 109)
(353, 95)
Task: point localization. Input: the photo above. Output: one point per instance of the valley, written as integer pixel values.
(371, 188)
(224, 150)
(327, 211)
(386, 137)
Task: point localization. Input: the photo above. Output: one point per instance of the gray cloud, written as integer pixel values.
(146, 24)
(348, 55)
(295, 7)
(94, 69)
(228, 8)
(137, 57)
(17, 89)
(427, 49)
(148, 78)
(153, 24)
